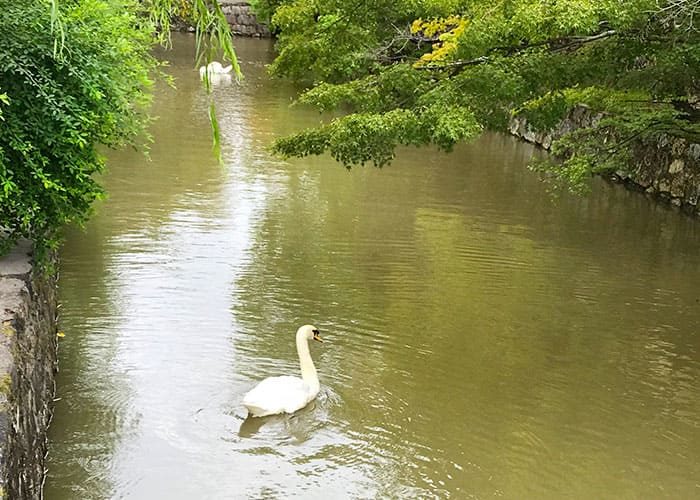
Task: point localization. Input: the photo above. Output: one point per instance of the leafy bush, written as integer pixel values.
(70, 84)
(76, 75)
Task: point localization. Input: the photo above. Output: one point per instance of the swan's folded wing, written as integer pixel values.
(273, 395)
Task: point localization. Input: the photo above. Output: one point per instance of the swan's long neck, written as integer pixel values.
(308, 370)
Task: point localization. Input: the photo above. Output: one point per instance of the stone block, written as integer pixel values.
(694, 152)
(676, 166)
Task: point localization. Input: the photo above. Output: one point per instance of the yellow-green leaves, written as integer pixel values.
(444, 32)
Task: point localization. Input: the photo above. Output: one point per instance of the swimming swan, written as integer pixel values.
(287, 394)
(214, 68)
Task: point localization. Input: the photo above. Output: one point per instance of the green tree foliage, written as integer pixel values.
(76, 75)
(436, 72)
(264, 9)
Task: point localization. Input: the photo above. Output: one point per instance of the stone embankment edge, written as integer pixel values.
(28, 343)
(240, 17)
(668, 171)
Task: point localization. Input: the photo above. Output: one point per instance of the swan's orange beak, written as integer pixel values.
(318, 338)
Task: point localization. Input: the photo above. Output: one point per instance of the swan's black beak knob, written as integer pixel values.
(317, 337)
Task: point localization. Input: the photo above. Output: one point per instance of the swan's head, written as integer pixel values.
(310, 332)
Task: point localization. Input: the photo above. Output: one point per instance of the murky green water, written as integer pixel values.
(482, 341)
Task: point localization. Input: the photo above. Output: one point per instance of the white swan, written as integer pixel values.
(287, 394)
(214, 68)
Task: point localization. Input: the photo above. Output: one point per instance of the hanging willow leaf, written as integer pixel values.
(58, 30)
(212, 36)
(216, 132)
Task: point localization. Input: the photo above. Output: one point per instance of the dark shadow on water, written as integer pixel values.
(252, 425)
(297, 427)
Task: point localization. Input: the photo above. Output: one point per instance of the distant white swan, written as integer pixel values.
(287, 394)
(214, 68)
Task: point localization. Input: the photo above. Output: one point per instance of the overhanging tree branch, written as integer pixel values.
(555, 45)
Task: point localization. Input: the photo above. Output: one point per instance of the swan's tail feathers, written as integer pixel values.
(227, 69)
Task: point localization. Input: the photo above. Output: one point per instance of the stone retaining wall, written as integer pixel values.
(27, 368)
(242, 19)
(668, 170)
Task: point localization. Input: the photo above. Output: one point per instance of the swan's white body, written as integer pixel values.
(287, 394)
(214, 68)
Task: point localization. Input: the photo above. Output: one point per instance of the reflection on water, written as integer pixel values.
(483, 340)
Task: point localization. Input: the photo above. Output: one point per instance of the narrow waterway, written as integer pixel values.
(483, 339)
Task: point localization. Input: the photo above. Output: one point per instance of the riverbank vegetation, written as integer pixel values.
(419, 72)
(77, 75)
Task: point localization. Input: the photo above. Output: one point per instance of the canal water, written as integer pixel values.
(483, 338)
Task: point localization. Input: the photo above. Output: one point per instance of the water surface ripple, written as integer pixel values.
(483, 340)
